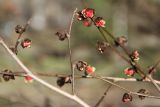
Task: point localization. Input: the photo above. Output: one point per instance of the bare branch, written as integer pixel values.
(134, 63)
(19, 36)
(70, 51)
(48, 74)
(72, 97)
(127, 90)
(106, 79)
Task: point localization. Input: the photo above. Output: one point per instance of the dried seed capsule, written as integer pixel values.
(26, 43)
(8, 75)
(121, 40)
(142, 91)
(61, 81)
(101, 46)
(135, 55)
(19, 29)
(80, 16)
(61, 36)
(126, 97)
(81, 65)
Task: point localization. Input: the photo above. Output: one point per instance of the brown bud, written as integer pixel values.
(126, 97)
(121, 40)
(81, 65)
(61, 81)
(135, 55)
(19, 29)
(61, 36)
(80, 16)
(101, 46)
(8, 75)
(142, 91)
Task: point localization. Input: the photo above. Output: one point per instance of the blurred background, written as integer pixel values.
(138, 20)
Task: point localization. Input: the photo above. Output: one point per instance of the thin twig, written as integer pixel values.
(141, 72)
(72, 97)
(71, 23)
(118, 53)
(155, 66)
(127, 90)
(106, 79)
(19, 36)
(103, 96)
(125, 50)
(49, 74)
(70, 51)
(135, 64)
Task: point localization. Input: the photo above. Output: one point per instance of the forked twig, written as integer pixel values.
(72, 97)
(127, 90)
(141, 72)
(19, 36)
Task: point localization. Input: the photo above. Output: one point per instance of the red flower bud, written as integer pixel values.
(99, 22)
(28, 79)
(88, 12)
(129, 71)
(61, 35)
(89, 70)
(26, 43)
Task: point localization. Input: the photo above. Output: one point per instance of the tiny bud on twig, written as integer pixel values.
(81, 65)
(142, 91)
(19, 29)
(61, 36)
(7, 77)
